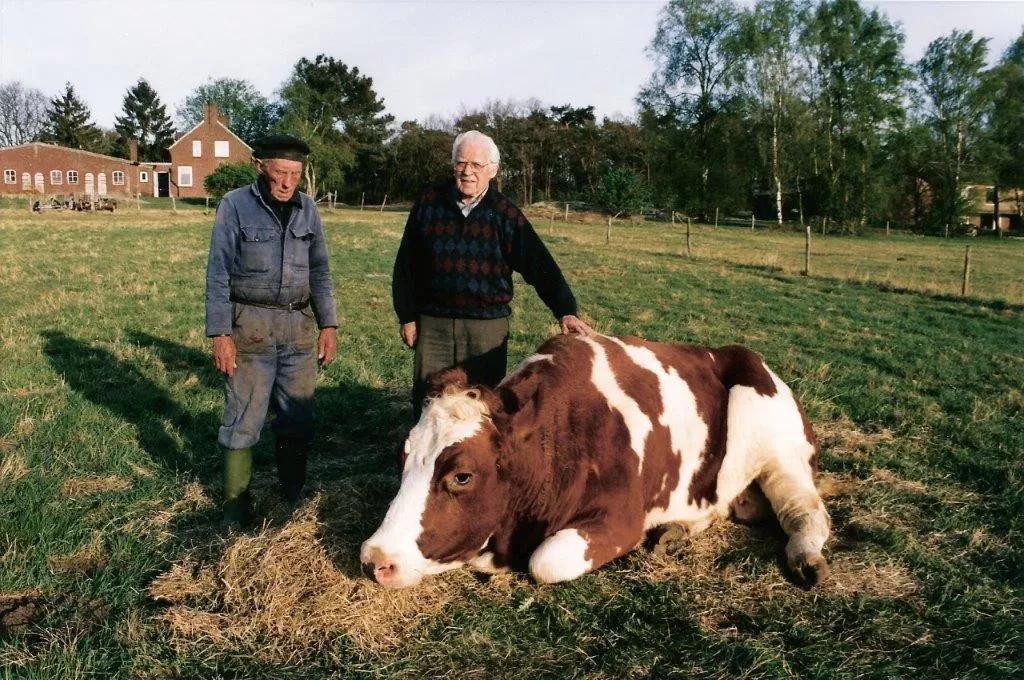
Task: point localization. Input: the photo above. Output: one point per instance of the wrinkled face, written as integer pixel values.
(282, 175)
(473, 168)
(451, 497)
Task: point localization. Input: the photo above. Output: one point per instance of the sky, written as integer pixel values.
(426, 57)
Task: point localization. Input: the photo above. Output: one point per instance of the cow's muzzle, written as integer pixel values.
(383, 569)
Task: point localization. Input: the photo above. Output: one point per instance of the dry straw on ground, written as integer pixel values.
(76, 487)
(281, 593)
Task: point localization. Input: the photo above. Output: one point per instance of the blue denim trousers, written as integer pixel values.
(276, 370)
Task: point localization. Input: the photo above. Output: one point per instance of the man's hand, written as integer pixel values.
(225, 354)
(327, 344)
(572, 324)
(409, 334)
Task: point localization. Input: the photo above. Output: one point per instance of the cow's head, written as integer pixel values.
(452, 494)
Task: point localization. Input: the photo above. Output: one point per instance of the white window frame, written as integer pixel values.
(56, 177)
(117, 178)
(72, 176)
(183, 171)
(26, 181)
(221, 149)
(197, 148)
(10, 176)
(143, 176)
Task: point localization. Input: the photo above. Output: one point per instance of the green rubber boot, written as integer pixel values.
(237, 475)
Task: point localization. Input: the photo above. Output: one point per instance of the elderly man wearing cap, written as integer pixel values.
(267, 283)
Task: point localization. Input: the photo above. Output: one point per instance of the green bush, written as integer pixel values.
(227, 177)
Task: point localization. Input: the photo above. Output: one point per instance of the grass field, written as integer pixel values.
(112, 563)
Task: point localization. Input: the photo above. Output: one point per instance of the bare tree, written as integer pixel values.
(22, 113)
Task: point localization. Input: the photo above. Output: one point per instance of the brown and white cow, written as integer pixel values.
(591, 442)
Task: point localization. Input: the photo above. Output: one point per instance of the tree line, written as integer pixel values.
(788, 109)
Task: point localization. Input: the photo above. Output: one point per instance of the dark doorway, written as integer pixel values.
(163, 184)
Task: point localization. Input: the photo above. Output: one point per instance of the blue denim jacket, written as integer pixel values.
(253, 259)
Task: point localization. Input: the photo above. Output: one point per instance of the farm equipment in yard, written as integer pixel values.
(77, 203)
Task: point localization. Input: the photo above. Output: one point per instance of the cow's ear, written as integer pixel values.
(449, 379)
(488, 397)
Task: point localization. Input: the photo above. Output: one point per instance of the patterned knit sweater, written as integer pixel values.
(459, 266)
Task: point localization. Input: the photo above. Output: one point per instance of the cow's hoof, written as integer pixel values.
(812, 570)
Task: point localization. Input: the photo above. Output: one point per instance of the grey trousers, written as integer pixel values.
(480, 346)
(276, 370)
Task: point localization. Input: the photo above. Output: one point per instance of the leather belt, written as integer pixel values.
(290, 307)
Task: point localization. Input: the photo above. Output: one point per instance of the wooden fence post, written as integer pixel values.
(566, 212)
(807, 250)
(608, 231)
(887, 227)
(383, 203)
(716, 217)
(174, 208)
(751, 221)
(362, 199)
(673, 219)
(967, 272)
(689, 253)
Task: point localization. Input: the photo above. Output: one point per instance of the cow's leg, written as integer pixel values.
(803, 517)
(575, 551)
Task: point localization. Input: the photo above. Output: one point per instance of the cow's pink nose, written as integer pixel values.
(380, 568)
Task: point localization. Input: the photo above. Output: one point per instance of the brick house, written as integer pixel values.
(199, 151)
(52, 170)
(49, 170)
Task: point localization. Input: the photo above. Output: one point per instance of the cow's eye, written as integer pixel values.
(462, 478)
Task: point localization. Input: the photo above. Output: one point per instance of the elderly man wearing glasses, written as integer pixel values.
(452, 281)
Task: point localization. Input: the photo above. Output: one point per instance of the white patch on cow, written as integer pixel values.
(637, 423)
(560, 557)
(446, 420)
(688, 434)
(532, 359)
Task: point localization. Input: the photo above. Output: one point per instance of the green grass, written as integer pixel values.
(108, 464)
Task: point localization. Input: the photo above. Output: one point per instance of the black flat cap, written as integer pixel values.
(281, 146)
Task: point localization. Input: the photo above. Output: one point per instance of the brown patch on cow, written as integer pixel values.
(737, 365)
(460, 517)
(449, 379)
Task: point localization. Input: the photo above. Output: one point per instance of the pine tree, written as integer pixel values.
(67, 123)
(146, 120)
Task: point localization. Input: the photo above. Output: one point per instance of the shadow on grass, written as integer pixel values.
(108, 381)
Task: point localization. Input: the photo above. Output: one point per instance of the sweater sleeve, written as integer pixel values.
(403, 276)
(529, 257)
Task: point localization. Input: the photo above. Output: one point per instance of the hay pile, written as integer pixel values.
(281, 594)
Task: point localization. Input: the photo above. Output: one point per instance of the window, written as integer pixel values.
(197, 149)
(40, 187)
(117, 177)
(220, 149)
(56, 177)
(143, 176)
(72, 176)
(10, 177)
(184, 175)
(26, 181)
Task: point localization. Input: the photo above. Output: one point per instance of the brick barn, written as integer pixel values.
(49, 170)
(52, 170)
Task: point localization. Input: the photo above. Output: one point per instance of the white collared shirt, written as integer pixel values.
(467, 206)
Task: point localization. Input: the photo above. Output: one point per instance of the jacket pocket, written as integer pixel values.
(259, 248)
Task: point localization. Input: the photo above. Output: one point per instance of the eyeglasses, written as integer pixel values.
(472, 165)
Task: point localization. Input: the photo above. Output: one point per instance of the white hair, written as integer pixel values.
(476, 136)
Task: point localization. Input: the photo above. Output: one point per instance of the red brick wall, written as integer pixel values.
(45, 158)
(212, 129)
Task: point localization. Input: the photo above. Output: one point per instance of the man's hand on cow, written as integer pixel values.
(225, 354)
(573, 324)
(409, 334)
(327, 344)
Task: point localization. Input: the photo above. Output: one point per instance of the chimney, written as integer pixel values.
(210, 113)
(133, 150)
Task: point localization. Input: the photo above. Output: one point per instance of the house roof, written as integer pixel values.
(217, 122)
(83, 151)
